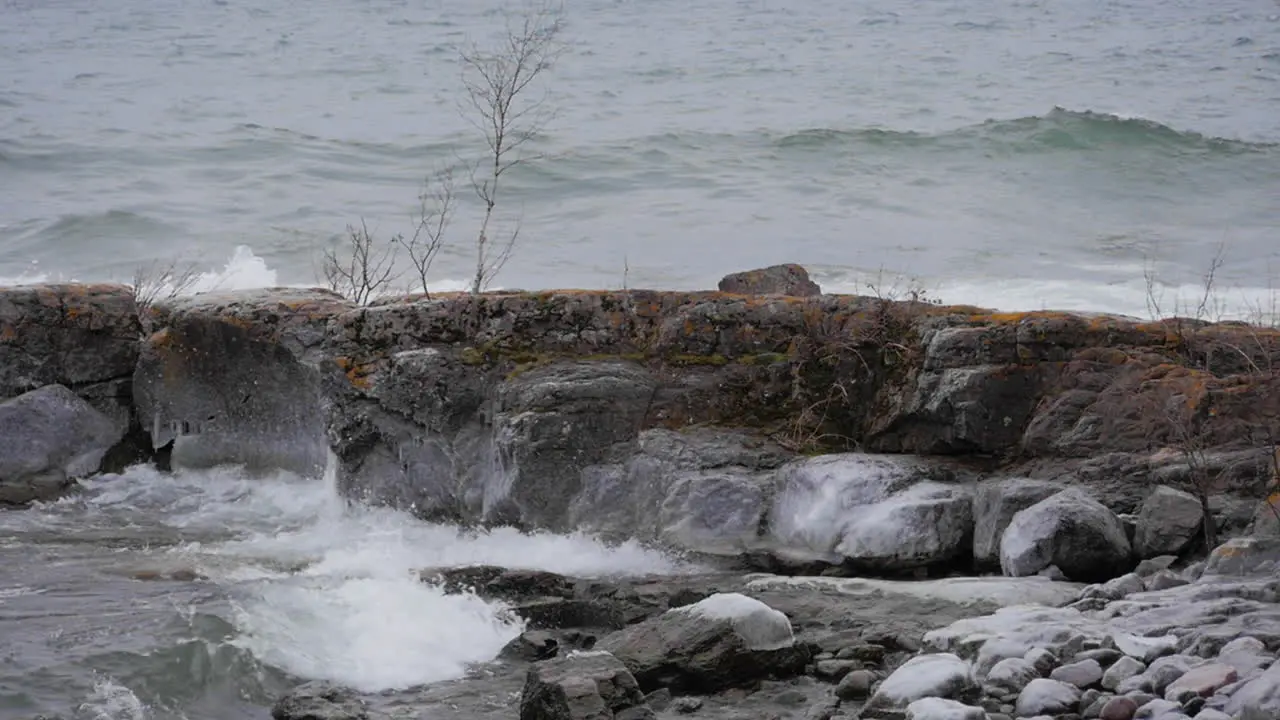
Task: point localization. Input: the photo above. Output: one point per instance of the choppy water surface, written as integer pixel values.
(207, 594)
(1029, 154)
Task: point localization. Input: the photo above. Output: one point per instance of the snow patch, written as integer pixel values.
(760, 626)
(942, 709)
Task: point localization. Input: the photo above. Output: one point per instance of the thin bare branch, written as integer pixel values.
(156, 282)
(363, 271)
(436, 206)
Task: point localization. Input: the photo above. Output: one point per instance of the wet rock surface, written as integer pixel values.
(49, 437)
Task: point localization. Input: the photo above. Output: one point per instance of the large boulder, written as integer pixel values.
(725, 640)
(926, 525)
(994, 504)
(699, 489)
(813, 497)
(1070, 530)
(47, 438)
(789, 279)
(72, 335)
(1167, 523)
(591, 685)
(939, 675)
(556, 420)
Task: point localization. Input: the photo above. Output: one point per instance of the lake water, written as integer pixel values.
(1025, 155)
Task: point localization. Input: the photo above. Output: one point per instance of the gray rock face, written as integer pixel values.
(1167, 523)
(1123, 669)
(48, 437)
(725, 640)
(1082, 674)
(787, 279)
(582, 686)
(994, 505)
(413, 437)
(319, 701)
(700, 489)
(963, 409)
(1245, 556)
(222, 394)
(1070, 530)
(72, 335)
(554, 421)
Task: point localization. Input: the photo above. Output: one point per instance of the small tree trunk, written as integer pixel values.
(1210, 527)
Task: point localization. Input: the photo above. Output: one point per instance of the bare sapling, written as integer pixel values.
(504, 103)
(436, 205)
(363, 271)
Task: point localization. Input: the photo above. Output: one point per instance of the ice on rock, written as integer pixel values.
(1145, 649)
(941, 675)
(1000, 591)
(1123, 669)
(1011, 674)
(1031, 625)
(1247, 655)
(1258, 699)
(941, 709)
(1159, 710)
(1043, 696)
(814, 496)
(760, 626)
(996, 650)
(994, 504)
(926, 524)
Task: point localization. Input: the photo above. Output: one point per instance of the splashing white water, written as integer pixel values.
(112, 701)
(325, 589)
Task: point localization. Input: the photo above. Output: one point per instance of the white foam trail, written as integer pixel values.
(1252, 304)
(329, 590)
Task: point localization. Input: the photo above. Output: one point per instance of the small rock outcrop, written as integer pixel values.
(49, 437)
(320, 701)
(787, 279)
(1068, 530)
(591, 685)
(82, 336)
(941, 675)
(723, 641)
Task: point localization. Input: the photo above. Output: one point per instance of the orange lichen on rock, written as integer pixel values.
(357, 374)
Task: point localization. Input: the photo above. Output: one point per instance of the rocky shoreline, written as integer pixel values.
(760, 428)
